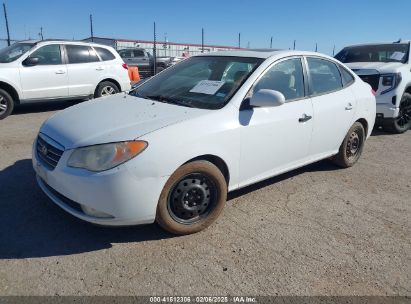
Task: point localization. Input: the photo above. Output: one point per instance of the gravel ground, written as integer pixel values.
(318, 230)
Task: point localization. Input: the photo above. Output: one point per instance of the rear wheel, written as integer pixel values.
(6, 104)
(192, 198)
(106, 88)
(351, 148)
(403, 122)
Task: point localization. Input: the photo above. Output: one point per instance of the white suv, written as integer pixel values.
(49, 70)
(387, 68)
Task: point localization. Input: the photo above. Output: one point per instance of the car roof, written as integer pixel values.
(262, 53)
(379, 43)
(62, 41)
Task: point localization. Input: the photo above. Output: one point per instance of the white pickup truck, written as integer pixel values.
(387, 68)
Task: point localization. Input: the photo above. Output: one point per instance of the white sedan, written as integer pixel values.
(171, 149)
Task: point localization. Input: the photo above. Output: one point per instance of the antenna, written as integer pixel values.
(41, 33)
(271, 42)
(239, 40)
(294, 44)
(316, 46)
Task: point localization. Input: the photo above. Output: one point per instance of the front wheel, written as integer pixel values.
(403, 122)
(192, 198)
(6, 104)
(352, 146)
(106, 88)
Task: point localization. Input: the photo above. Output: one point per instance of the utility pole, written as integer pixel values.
(91, 28)
(7, 24)
(202, 40)
(294, 45)
(41, 33)
(239, 40)
(271, 42)
(155, 51)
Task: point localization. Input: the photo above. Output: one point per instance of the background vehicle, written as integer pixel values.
(144, 61)
(387, 68)
(226, 120)
(47, 70)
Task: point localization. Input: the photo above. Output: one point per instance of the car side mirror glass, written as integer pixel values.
(31, 61)
(267, 98)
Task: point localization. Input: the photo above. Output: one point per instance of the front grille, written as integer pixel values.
(48, 153)
(372, 80)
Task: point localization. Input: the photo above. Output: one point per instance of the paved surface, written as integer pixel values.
(315, 231)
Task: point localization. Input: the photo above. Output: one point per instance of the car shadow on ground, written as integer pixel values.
(32, 226)
(47, 106)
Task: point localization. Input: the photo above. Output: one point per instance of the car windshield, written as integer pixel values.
(394, 52)
(14, 52)
(206, 82)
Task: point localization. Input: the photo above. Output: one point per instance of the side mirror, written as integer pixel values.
(31, 61)
(267, 98)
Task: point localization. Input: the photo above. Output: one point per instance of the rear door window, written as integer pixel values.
(324, 75)
(80, 54)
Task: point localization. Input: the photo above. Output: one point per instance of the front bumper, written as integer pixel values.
(385, 106)
(128, 198)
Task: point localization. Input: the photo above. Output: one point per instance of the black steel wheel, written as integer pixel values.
(352, 147)
(192, 198)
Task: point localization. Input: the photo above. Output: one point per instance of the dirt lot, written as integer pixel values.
(319, 230)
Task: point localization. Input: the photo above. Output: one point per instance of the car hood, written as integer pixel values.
(115, 118)
(371, 67)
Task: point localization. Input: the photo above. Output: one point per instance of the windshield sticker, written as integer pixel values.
(209, 87)
(397, 56)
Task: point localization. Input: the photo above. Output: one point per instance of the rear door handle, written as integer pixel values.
(60, 72)
(348, 107)
(100, 69)
(304, 118)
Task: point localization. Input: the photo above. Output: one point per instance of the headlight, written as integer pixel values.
(103, 157)
(391, 81)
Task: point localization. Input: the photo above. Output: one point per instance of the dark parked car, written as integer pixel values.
(144, 61)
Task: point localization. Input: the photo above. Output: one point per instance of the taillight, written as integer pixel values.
(373, 92)
(125, 66)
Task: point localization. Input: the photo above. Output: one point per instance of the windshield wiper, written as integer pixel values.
(167, 99)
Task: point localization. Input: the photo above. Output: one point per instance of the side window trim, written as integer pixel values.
(341, 68)
(306, 95)
(310, 81)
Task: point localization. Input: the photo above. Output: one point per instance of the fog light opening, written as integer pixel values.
(94, 213)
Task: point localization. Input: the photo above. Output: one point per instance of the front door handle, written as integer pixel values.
(305, 118)
(100, 69)
(348, 107)
(60, 72)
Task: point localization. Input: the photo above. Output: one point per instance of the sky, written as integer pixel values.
(326, 22)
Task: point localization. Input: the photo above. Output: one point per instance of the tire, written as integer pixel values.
(403, 122)
(159, 69)
(6, 104)
(352, 147)
(106, 88)
(192, 198)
